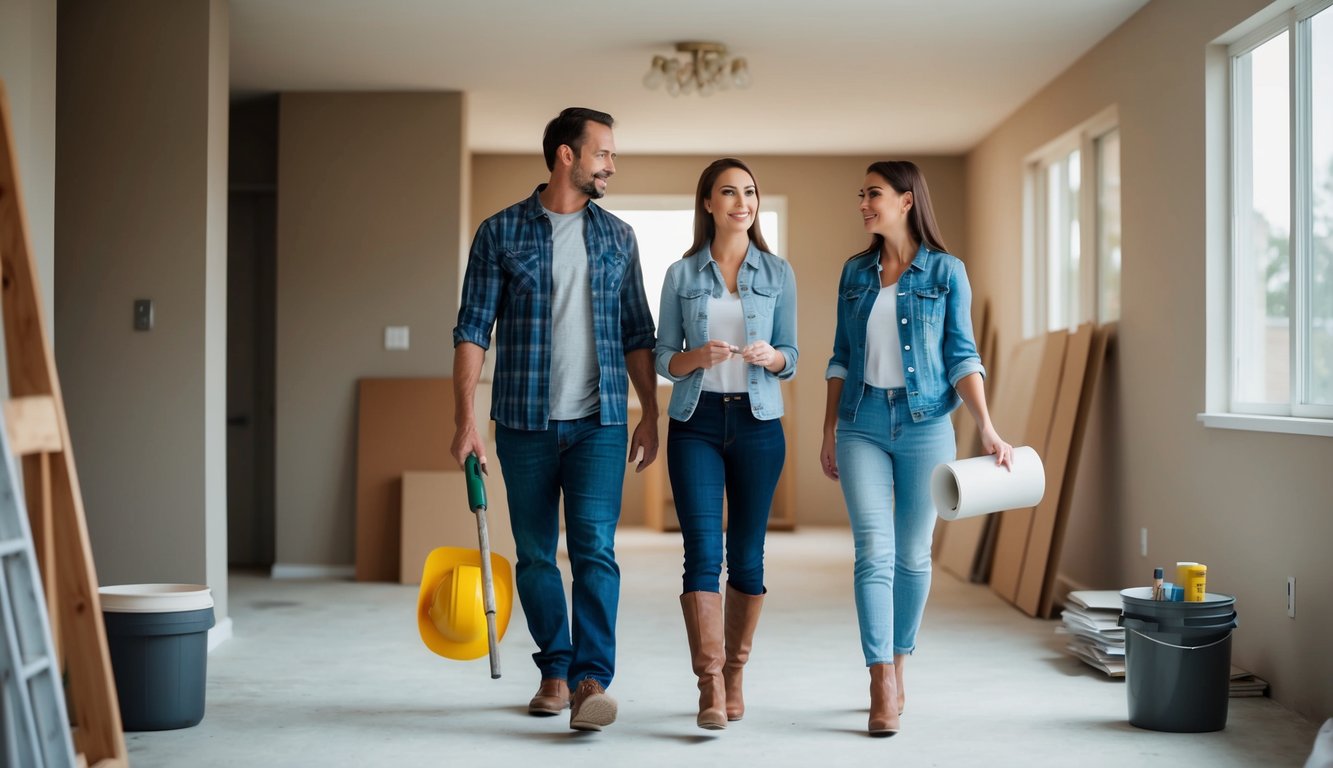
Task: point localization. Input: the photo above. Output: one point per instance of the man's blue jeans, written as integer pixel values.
(884, 465)
(723, 446)
(584, 460)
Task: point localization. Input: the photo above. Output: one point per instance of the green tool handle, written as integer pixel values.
(476, 487)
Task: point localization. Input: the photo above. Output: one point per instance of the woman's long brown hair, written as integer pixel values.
(704, 227)
(904, 176)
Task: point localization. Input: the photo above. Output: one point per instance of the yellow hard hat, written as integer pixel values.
(451, 613)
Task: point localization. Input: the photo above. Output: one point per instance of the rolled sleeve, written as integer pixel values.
(960, 346)
(670, 330)
(837, 364)
(784, 323)
(480, 298)
(636, 320)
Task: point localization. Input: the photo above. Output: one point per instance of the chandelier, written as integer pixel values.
(707, 70)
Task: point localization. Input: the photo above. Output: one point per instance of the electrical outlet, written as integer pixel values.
(1143, 542)
(1291, 596)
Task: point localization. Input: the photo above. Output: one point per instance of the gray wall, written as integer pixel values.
(370, 212)
(141, 208)
(1253, 506)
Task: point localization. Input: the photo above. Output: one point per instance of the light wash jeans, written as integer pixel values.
(586, 461)
(884, 462)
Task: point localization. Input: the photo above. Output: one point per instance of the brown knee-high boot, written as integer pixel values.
(883, 700)
(703, 626)
(742, 617)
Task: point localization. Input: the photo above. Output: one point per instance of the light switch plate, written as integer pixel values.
(396, 337)
(143, 314)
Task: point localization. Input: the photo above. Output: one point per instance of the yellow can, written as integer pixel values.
(1193, 580)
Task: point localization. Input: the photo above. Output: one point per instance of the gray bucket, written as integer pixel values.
(157, 635)
(1177, 661)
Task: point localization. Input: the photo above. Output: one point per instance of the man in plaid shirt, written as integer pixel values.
(559, 279)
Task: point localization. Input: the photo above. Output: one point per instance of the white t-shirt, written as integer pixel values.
(575, 375)
(726, 322)
(884, 352)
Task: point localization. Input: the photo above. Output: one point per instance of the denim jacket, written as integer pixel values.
(767, 289)
(935, 328)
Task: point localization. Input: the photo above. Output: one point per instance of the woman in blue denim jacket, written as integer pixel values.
(903, 358)
(726, 337)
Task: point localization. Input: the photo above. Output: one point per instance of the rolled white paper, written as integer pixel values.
(972, 487)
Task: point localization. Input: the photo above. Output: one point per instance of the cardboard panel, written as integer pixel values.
(1012, 539)
(1068, 400)
(435, 513)
(403, 425)
(1102, 339)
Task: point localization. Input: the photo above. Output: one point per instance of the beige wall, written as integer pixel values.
(370, 207)
(28, 72)
(1253, 506)
(141, 206)
(823, 229)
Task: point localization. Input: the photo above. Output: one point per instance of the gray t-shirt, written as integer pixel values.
(574, 370)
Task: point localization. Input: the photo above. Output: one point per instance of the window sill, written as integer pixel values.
(1288, 424)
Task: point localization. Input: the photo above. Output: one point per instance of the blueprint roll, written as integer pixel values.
(972, 487)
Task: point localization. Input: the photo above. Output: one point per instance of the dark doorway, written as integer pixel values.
(252, 212)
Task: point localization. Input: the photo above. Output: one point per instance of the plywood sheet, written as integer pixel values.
(1069, 396)
(1015, 524)
(403, 425)
(1093, 387)
(435, 513)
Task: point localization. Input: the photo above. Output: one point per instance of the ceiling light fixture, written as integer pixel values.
(707, 70)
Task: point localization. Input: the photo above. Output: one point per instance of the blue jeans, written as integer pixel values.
(884, 462)
(723, 445)
(585, 460)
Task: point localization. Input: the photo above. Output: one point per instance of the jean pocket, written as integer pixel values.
(929, 303)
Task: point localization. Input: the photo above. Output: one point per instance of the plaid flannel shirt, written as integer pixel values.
(508, 286)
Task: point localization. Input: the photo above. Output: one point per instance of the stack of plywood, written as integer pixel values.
(1043, 402)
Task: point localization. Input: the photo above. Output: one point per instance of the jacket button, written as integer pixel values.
(907, 346)
(911, 370)
(904, 321)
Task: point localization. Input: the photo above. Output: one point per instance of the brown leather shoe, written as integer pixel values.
(592, 708)
(703, 628)
(552, 698)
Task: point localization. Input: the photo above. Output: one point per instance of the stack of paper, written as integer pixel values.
(1091, 619)
(1246, 683)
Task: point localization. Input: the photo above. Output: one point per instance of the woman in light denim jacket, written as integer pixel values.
(726, 337)
(903, 357)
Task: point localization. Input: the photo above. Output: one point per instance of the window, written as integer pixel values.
(1281, 240)
(664, 226)
(1071, 271)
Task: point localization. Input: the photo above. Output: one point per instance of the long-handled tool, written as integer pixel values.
(476, 500)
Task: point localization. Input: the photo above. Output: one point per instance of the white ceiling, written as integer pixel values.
(830, 76)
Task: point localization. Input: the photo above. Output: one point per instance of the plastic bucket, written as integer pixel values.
(1177, 661)
(157, 635)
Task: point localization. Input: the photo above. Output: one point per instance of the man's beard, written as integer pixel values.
(586, 184)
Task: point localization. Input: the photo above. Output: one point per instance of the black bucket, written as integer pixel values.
(1177, 661)
(157, 635)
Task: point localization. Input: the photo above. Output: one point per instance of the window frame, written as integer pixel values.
(1223, 409)
(1084, 138)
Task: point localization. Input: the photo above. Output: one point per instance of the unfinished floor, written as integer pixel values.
(332, 673)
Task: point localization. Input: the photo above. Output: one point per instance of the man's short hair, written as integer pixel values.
(569, 127)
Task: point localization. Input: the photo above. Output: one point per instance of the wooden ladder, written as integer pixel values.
(38, 431)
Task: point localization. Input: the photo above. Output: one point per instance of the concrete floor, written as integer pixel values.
(330, 673)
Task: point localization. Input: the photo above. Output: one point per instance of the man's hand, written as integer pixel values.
(467, 442)
(645, 442)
